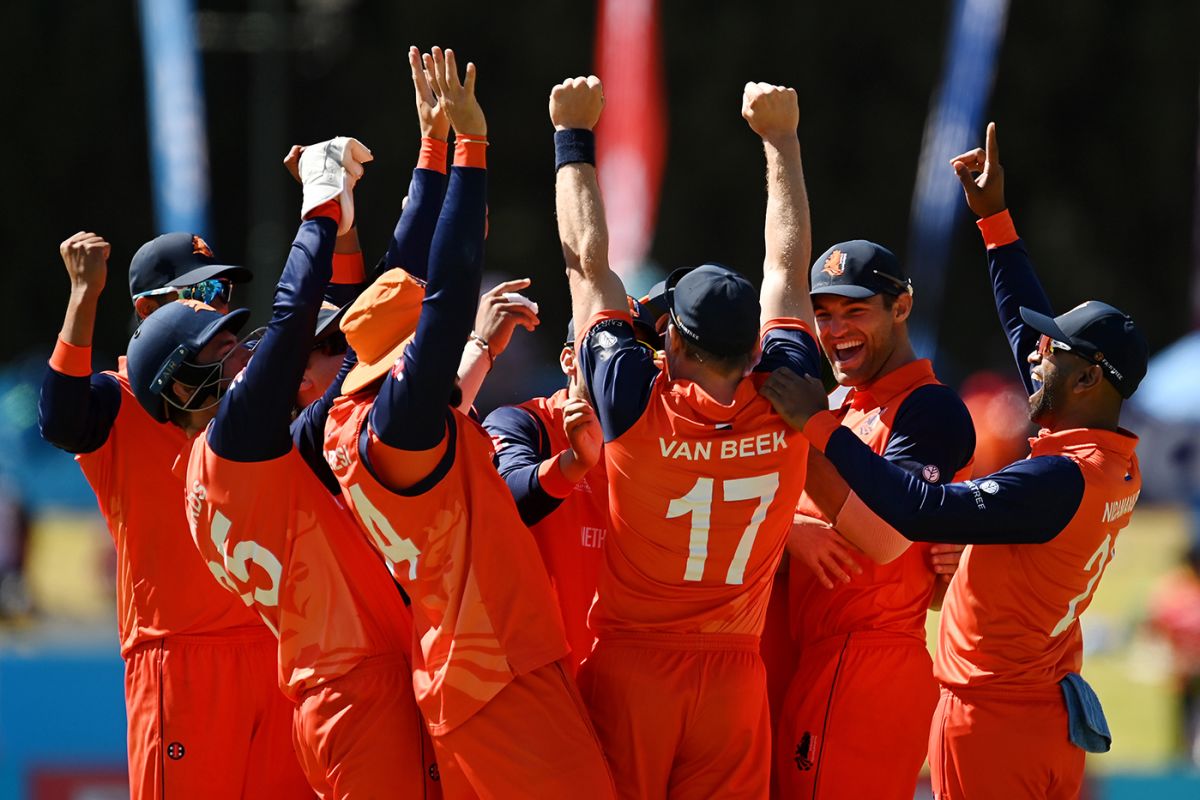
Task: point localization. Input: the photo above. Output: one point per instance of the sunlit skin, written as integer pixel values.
(322, 368)
(861, 338)
(1056, 377)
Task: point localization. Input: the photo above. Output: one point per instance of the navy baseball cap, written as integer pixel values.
(164, 344)
(858, 269)
(1101, 334)
(714, 308)
(178, 259)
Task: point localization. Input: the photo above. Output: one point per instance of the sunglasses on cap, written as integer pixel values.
(1047, 346)
(205, 291)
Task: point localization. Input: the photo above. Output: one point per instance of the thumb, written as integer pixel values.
(964, 177)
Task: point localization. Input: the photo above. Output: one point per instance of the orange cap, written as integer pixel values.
(378, 325)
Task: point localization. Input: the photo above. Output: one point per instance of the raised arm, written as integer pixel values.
(409, 415)
(76, 409)
(575, 107)
(773, 113)
(1014, 281)
(253, 421)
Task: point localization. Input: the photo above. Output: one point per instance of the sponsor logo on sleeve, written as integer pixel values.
(931, 473)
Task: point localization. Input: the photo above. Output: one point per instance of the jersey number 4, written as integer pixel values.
(698, 502)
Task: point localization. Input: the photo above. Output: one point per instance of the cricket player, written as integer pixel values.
(205, 716)
(861, 634)
(1014, 718)
(504, 715)
(269, 530)
(703, 477)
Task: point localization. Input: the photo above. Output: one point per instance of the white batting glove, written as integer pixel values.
(331, 169)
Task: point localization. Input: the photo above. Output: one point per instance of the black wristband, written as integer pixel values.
(572, 146)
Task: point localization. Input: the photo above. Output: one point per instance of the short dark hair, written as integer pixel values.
(737, 363)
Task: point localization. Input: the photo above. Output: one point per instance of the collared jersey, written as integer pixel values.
(571, 538)
(274, 536)
(163, 588)
(701, 493)
(483, 608)
(908, 417)
(1011, 616)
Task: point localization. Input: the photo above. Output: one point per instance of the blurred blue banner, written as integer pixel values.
(955, 124)
(175, 115)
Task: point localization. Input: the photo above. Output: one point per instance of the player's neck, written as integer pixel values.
(901, 355)
(718, 386)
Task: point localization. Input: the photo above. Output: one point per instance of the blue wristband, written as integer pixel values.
(573, 146)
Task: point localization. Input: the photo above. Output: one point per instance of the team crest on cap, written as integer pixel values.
(835, 265)
(200, 247)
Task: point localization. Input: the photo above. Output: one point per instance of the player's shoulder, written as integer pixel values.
(936, 402)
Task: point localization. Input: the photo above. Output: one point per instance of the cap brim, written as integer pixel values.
(1044, 325)
(328, 320)
(845, 290)
(232, 322)
(234, 274)
(363, 374)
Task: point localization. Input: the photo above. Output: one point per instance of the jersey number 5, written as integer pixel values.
(698, 502)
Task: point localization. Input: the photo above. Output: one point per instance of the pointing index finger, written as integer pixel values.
(993, 147)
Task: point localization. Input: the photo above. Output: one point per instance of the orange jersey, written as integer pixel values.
(1011, 616)
(273, 535)
(163, 588)
(702, 496)
(571, 538)
(483, 608)
(894, 596)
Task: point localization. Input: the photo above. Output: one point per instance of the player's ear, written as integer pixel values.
(566, 361)
(1088, 378)
(145, 306)
(902, 308)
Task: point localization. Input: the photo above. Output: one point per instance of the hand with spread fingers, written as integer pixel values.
(576, 103)
(430, 114)
(982, 177)
(500, 313)
(794, 397)
(773, 112)
(823, 550)
(456, 98)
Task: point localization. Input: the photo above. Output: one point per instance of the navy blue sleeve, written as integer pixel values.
(253, 421)
(410, 411)
(1015, 284)
(76, 413)
(414, 231)
(791, 348)
(619, 372)
(932, 434)
(521, 446)
(308, 428)
(1027, 502)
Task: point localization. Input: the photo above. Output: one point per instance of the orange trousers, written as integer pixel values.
(1003, 744)
(681, 716)
(361, 735)
(531, 740)
(855, 722)
(207, 719)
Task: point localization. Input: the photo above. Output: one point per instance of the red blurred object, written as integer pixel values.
(65, 783)
(631, 137)
(999, 409)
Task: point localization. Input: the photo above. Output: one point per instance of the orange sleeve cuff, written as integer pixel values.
(601, 316)
(819, 428)
(433, 155)
(552, 480)
(71, 359)
(348, 268)
(330, 208)
(785, 323)
(998, 230)
(470, 152)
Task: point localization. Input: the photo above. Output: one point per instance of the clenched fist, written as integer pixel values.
(576, 103)
(772, 111)
(86, 258)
